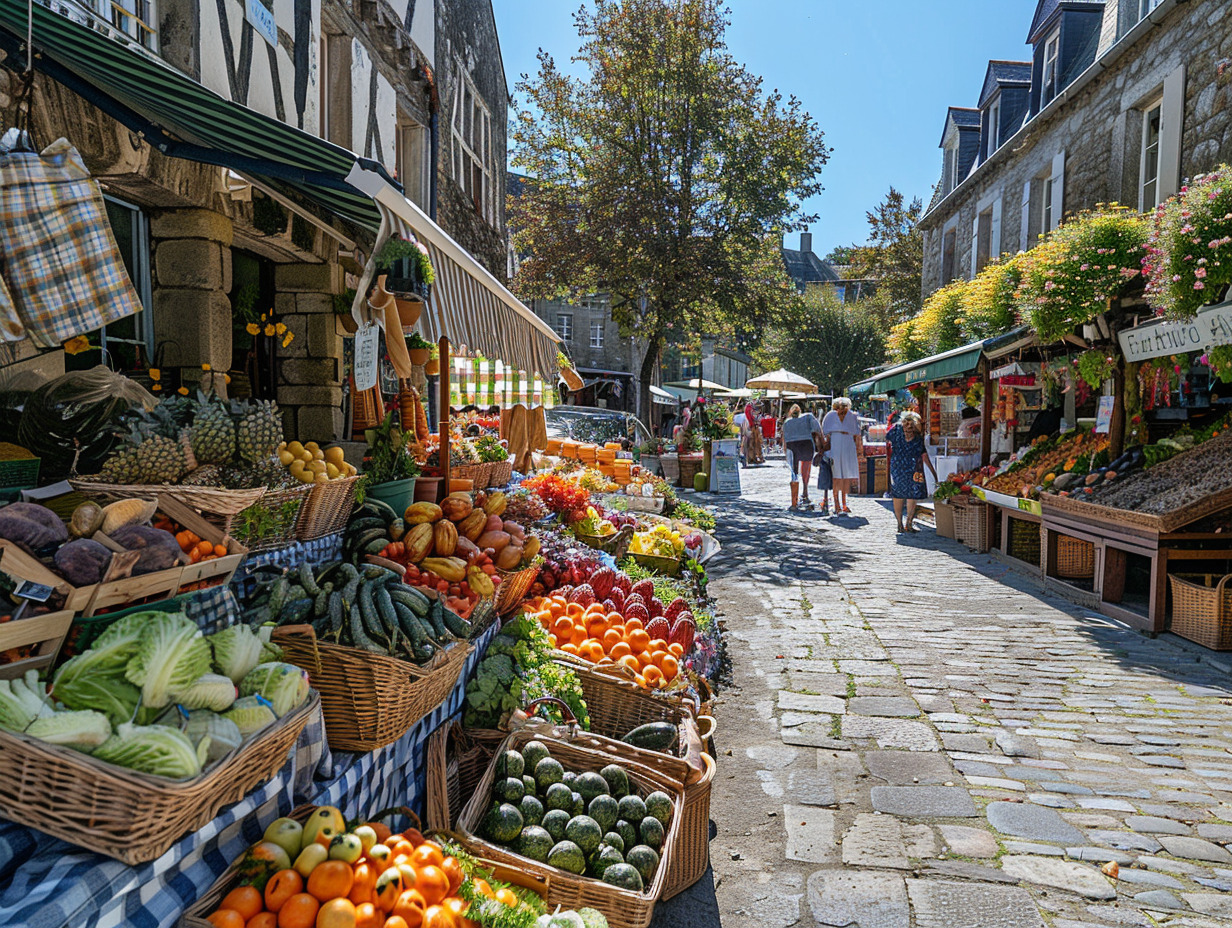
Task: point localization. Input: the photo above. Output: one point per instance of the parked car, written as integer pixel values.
(595, 424)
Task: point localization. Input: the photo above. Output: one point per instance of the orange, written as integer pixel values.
(220, 550)
(226, 918)
(453, 870)
(244, 899)
(630, 661)
(438, 916)
(639, 680)
(658, 644)
(643, 660)
(483, 888)
(410, 876)
(337, 913)
(676, 649)
(368, 916)
(395, 922)
(433, 884)
(428, 854)
(508, 897)
(632, 625)
(363, 882)
(579, 634)
(300, 911)
(331, 879)
(410, 907)
(611, 638)
(670, 667)
(638, 639)
(401, 846)
(574, 611)
(653, 676)
(282, 886)
(562, 627)
(388, 889)
(457, 907)
(263, 920)
(569, 647)
(594, 609)
(620, 649)
(596, 625)
(552, 640)
(615, 619)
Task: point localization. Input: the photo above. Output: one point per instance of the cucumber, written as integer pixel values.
(385, 608)
(458, 626)
(375, 547)
(410, 625)
(367, 611)
(335, 613)
(296, 611)
(435, 617)
(656, 736)
(307, 579)
(320, 603)
(350, 592)
(413, 600)
(359, 638)
(349, 572)
(365, 539)
(376, 572)
(384, 510)
(278, 595)
(366, 523)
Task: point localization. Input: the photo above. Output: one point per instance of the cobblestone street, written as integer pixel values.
(918, 735)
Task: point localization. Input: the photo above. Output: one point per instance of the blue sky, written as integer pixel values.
(877, 76)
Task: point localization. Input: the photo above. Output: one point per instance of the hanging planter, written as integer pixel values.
(420, 350)
(408, 276)
(1189, 254)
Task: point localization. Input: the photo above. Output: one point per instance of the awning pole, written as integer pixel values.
(986, 416)
(443, 415)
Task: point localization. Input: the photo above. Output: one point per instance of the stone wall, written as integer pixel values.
(1099, 130)
(310, 368)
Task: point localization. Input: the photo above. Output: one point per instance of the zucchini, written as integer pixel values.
(371, 536)
(296, 611)
(458, 626)
(375, 547)
(415, 601)
(359, 638)
(655, 736)
(364, 524)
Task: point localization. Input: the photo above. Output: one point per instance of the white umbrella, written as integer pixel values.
(697, 384)
(742, 394)
(781, 380)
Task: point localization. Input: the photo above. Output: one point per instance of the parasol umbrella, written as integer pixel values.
(696, 384)
(742, 394)
(781, 380)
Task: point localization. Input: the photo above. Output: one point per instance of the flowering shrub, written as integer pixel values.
(905, 344)
(1219, 360)
(988, 307)
(1094, 367)
(1068, 279)
(1189, 255)
(937, 327)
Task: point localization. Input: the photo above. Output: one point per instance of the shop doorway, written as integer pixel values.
(254, 355)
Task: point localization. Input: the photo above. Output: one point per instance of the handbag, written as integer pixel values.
(825, 473)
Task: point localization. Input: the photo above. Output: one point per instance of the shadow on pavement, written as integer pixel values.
(696, 907)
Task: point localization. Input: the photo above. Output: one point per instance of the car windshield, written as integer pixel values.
(597, 427)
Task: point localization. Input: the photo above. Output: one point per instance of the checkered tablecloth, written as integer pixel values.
(46, 883)
(316, 552)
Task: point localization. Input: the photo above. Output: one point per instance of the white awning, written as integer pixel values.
(468, 305)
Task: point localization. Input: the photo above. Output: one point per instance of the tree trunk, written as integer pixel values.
(649, 362)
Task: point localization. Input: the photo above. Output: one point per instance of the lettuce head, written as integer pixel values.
(153, 749)
(171, 655)
(237, 650)
(284, 685)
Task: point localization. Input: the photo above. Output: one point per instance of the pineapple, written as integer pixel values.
(259, 431)
(122, 467)
(154, 450)
(213, 432)
(268, 473)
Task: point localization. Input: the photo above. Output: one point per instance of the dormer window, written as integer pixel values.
(1146, 6)
(994, 126)
(1052, 76)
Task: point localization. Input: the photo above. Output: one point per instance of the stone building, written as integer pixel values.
(1120, 102)
(808, 271)
(212, 239)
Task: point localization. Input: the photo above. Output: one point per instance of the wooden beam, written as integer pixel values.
(1116, 428)
(442, 416)
(990, 398)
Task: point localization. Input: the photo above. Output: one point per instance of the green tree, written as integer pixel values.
(660, 175)
(893, 256)
(841, 255)
(829, 342)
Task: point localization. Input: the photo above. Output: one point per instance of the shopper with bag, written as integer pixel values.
(907, 460)
(799, 433)
(842, 430)
(825, 472)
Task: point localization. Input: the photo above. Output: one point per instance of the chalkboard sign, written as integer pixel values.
(725, 466)
(367, 346)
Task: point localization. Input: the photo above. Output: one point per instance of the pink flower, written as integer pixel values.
(1199, 286)
(1200, 272)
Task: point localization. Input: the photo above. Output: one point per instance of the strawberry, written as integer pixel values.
(637, 611)
(674, 608)
(644, 589)
(658, 628)
(601, 581)
(683, 632)
(655, 608)
(623, 583)
(582, 595)
(617, 597)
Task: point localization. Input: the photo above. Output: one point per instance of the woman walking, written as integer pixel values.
(908, 458)
(798, 432)
(841, 428)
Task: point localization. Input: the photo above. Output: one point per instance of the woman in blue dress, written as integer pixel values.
(908, 458)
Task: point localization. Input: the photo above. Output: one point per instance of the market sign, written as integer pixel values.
(1209, 328)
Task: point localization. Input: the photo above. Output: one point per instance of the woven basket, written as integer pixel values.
(457, 760)
(623, 908)
(971, 525)
(668, 566)
(689, 468)
(369, 700)
(1202, 612)
(327, 508)
(276, 536)
(1075, 558)
(502, 473)
(514, 587)
(130, 816)
(616, 544)
(466, 472)
(209, 500)
(1024, 541)
(943, 518)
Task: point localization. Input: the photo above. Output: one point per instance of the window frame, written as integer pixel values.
(564, 326)
(1046, 211)
(1156, 106)
(142, 279)
(1050, 84)
(409, 137)
(471, 122)
(994, 125)
(1146, 8)
(596, 334)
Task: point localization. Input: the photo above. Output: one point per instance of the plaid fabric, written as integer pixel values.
(318, 551)
(213, 609)
(59, 255)
(11, 329)
(46, 883)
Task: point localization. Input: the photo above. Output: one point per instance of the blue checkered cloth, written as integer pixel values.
(46, 883)
(319, 551)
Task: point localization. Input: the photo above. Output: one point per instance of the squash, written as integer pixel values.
(494, 540)
(445, 537)
(456, 508)
(127, 512)
(509, 557)
(473, 525)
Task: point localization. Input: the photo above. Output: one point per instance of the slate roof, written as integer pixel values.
(1048, 8)
(1002, 74)
(965, 117)
(804, 267)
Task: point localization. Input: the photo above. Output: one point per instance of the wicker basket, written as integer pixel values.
(1024, 541)
(1075, 558)
(369, 700)
(616, 544)
(690, 466)
(943, 517)
(327, 508)
(123, 814)
(457, 760)
(1202, 612)
(212, 501)
(971, 525)
(275, 536)
(514, 587)
(623, 908)
(466, 472)
(668, 566)
(502, 473)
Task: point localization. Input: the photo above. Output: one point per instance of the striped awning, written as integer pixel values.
(468, 305)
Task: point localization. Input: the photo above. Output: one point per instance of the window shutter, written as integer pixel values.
(1058, 188)
(975, 244)
(1024, 239)
(994, 238)
(1172, 116)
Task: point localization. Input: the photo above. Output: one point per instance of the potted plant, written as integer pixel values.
(420, 349)
(403, 269)
(432, 367)
(345, 322)
(389, 468)
(649, 453)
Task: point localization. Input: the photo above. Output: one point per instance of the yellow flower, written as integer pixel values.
(280, 328)
(155, 374)
(269, 328)
(252, 329)
(226, 378)
(205, 367)
(156, 387)
(263, 317)
(77, 345)
(286, 341)
(183, 391)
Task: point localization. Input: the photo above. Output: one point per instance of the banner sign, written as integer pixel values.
(1209, 328)
(1103, 415)
(367, 346)
(725, 465)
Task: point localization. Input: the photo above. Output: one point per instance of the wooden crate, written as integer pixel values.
(216, 572)
(20, 564)
(46, 632)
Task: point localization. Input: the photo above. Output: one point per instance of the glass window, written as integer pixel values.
(1052, 51)
(994, 126)
(564, 326)
(596, 335)
(472, 160)
(1145, 7)
(1149, 192)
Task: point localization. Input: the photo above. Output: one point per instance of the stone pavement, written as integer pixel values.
(921, 736)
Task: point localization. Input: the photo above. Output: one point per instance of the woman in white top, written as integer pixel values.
(841, 428)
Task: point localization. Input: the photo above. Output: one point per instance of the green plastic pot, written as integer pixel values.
(397, 494)
(701, 480)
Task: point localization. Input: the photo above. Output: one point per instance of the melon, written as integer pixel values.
(632, 809)
(559, 796)
(503, 823)
(510, 764)
(533, 752)
(606, 857)
(617, 780)
(532, 810)
(651, 831)
(591, 785)
(611, 839)
(659, 804)
(585, 832)
(645, 860)
(547, 772)
(567, 856)
(627, 832)
(510, 790)
(554, 823)
(624, 876)
(605, 811)
(534, 842)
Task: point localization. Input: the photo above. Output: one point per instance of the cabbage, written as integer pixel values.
(209, 691)
(22, 701)
(90, 681)
(250, 714)
(120, 639)
(284, 685)
(82, 731)
(214, 736)
(171, 655)
(153, 749)
(236, 651)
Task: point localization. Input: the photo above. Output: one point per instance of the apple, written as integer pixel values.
(346, 847)
(309, 857)
(272, 853)
(288, 834)
(367, 836)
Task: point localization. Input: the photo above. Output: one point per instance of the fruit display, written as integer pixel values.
(597, 823)
(1077, 452)
(1180, 480)
(307, 463)
(155, 695)
(566, 562)
(661, 541)
(365, 607)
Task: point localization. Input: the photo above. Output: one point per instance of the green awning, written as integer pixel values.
(180, 117)
(941, 366)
